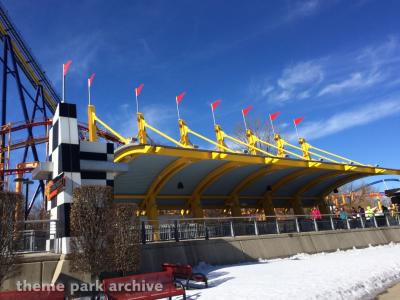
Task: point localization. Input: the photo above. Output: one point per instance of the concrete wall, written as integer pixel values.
(251, 248)
(34, 268)
(41, 268)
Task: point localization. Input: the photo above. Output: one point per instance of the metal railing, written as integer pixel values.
(31, 235)
(207, 228)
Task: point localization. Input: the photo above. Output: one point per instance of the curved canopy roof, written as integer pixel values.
(174, 176)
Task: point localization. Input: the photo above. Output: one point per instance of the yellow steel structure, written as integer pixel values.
(308, 175)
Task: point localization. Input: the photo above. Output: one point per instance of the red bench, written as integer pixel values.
(185, 272)
(32, 295)
(155, 285)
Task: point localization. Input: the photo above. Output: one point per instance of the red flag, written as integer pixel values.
(298, 120)
(139, 89)
(246, 110)
(215, 104)
(90, 80)
(66, 67)
(274, 115)
(180, 97)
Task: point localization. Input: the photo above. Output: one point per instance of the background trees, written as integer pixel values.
(10, 203)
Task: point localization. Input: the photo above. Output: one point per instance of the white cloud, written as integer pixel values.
(303, 8)
(301, 74)
(81, 49)
(356, 117)
(297, 82)
(356, 81)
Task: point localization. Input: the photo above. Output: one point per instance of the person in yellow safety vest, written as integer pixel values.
(369, 212)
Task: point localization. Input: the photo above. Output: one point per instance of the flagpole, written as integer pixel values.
(272, 124)
(89, 89)
(63, 84)
(212, 111)
(244, 120)
(137, 102)
(177, 108)
(297, 132)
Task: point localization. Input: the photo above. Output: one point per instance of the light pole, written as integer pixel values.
(27, 182)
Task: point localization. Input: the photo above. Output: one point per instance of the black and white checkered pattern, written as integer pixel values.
(67, 154)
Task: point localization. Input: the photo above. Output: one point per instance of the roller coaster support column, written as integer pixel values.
(252, 141)
(280, 144)
(4, 107)
(305, 147)
(220, 137)
(141, 125)
(92, 123)
(183, 131)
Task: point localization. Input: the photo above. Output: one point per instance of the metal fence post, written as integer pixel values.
(255, 227)
(232, 231)
(387, 220)
(297, 224)
(176, 231)
(332, 225)
(375, 223)
(362, 222)
(277, 226)
(206, 236)
(315, 224)
(348, 223)
(143, 230)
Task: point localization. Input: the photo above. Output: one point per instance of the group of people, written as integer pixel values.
(366, 213)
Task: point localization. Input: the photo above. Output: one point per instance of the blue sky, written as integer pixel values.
(336, 63)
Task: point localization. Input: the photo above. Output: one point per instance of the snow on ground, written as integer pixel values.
(351, 274)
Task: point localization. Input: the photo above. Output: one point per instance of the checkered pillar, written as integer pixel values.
(64, 154)
(81, 163)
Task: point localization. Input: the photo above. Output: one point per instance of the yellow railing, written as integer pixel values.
(252, 144)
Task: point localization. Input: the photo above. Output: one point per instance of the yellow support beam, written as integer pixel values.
(221, 147)
(208, 180)
(267, 204)
(305, 147)
(220, 137)
(92, 123)
(124, 140)
(280, 145)
(165, 136)
(141, 126)
(183, 132)
(317, 181)
(252, 141)
(248, 145)
(341, 182)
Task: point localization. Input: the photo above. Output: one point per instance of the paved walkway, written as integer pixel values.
(392, 293)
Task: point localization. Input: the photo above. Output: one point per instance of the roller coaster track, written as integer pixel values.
(27, 61)
(13, 127)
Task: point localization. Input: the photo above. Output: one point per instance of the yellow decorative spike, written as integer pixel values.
(252, 141)
(141, 125)
(220, 137)
(183, 131)
(280, 144)
(92, 123)
(305, 147)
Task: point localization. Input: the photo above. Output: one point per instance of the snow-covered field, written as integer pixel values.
(351, 274)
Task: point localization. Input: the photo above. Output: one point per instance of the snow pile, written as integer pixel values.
(351, 274)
